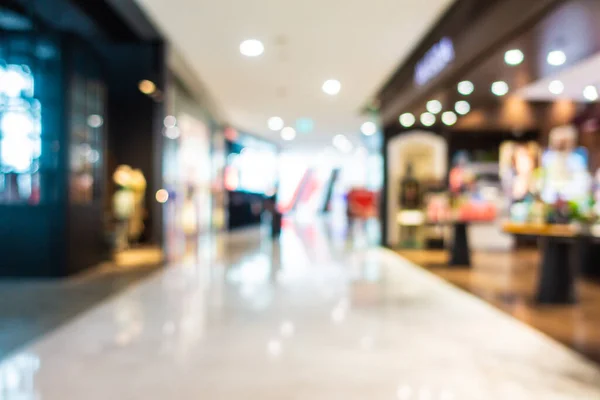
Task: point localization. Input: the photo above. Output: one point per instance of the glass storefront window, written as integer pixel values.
(30, 115)
(87, 125)
(20, 136)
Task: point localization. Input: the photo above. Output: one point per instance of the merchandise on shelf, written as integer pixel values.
(560, 190)
(474, 190)
(565, 168)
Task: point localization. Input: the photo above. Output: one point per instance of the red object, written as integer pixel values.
(438, 210)
(362, 203)
(457, 179)
(310, 187)
(35, 196)
(474, 211)
(231, 134)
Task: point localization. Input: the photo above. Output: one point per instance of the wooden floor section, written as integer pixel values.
(508, 280)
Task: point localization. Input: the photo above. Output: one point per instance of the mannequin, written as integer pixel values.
(123, 205)
(136, 220)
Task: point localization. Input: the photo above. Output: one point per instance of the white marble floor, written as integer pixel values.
(315, 318)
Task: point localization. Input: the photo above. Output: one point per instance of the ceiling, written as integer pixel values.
(358, 42)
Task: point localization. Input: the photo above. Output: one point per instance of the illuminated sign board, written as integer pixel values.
(435, 60)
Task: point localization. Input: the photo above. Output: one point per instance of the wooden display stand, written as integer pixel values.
(561, 248)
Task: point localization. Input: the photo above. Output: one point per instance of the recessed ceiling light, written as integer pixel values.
(427, 119)
(407, 120)
(465, 88)
(556, 87)
(147, 87)
(556, 57)
(500, 88)
(514, 57)
(339, 140)
(462, 107)
(434, 106)
(342, 143)
(332, 87)
(348, 147)
(368, 128)
(275, 123)
(449, 118)
(361, 151)
(288, 133)
(252, 48)
(590, 93)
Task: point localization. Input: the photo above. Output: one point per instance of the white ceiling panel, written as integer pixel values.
(358, 42)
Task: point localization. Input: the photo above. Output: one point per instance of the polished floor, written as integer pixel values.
(508, 281)
(315, 317)
(30, 309)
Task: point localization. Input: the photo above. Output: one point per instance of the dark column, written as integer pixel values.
(135, 132)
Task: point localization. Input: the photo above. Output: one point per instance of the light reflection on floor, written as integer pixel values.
(314, 316)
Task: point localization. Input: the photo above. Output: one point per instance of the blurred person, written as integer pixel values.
(270, 205)
(136, 220)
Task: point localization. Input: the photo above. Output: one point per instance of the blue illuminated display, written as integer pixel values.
(20, 120)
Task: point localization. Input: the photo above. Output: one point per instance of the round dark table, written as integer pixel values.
(562, 247)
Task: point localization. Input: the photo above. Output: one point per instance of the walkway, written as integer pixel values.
(31, 308)
(316, 318)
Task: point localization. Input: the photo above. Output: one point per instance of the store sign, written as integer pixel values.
(434, 61)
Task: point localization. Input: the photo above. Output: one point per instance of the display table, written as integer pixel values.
(460, 249)
(545, 230)
(560, 245)
(460, 252)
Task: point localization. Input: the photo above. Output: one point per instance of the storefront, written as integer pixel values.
(250, 177)
(314, 183)
(78, 98)
(492, 155)
(484, 89)
(193, 166)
